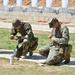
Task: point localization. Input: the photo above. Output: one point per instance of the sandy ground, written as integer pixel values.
(39, 27)
(35, 58)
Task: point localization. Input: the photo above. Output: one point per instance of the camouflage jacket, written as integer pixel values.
(62, 34)
(25, 30)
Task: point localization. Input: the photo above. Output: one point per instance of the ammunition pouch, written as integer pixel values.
(69, 48)
(66, 52)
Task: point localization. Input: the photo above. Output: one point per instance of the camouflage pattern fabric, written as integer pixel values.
(51, 51)
(26, 30)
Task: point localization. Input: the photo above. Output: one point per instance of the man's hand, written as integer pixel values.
(53, 38)
(13, 37)
(23, 37)
(50, 36)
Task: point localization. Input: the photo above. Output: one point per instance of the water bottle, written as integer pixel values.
(11, 59)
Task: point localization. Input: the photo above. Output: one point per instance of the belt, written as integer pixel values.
(63, 44)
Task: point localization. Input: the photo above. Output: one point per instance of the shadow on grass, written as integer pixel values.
(37, 57)
(70, 64)
(34, 57)
(6, 52)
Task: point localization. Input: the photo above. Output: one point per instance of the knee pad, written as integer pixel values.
(25, 42)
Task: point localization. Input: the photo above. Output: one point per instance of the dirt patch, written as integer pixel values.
(6, 64)
(49, 68)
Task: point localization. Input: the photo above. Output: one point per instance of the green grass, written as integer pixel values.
(30, 68)
(72, 41)
(6, 43)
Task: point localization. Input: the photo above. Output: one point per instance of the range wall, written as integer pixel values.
(37, 14)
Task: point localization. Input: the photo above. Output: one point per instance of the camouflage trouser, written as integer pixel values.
(52, 55)
(24, 48)
(18, 50)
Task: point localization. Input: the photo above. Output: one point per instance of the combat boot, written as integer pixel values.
(30, 53)
(16, 58)
(23, 57)
(44, 62)
(67, 54)
(67, 59)
(24, 54)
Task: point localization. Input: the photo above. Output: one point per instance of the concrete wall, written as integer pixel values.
(39, 15)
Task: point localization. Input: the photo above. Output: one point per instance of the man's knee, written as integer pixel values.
(67, 59)
(48, 62)
(53, 61)
(18, 51)
(40, 51)
(26, 42)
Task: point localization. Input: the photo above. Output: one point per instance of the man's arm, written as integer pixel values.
(65, 37)
(13, 33)
(29, 32)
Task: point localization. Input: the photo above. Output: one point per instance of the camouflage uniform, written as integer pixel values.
(53, 51)
(27, 44)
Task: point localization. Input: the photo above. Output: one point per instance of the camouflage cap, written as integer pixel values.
(16, 22)
(54, 20)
